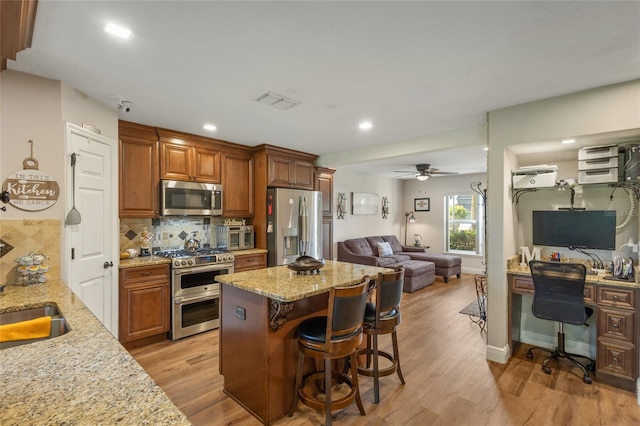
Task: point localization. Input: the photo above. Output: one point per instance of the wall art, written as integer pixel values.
(422, 204)
(364, 203)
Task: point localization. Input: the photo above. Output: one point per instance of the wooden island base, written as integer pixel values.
(258, 363)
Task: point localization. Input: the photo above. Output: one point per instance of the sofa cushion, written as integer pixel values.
(401, 257)
(393, 241)
(387, 261)
(441, 260)
(384, 249)
(373, 241)
(360, 246)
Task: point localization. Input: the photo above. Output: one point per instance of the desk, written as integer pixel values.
(260, 311)
(617, 306)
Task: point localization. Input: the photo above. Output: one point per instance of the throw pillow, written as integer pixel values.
(384, 250)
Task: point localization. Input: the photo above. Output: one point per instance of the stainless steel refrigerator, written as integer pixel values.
(294, 225)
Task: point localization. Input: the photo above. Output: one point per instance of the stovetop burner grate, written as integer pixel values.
(172, 254)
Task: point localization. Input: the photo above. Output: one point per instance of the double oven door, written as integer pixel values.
(196, 299)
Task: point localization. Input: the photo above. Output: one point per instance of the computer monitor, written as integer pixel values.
(587, 229)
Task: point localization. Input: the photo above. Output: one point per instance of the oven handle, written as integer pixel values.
(206, 268)
(181, 300)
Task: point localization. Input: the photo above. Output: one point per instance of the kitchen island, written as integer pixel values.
(79, 378)
(260, 312)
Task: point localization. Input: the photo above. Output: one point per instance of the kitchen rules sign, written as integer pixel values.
(31, 189)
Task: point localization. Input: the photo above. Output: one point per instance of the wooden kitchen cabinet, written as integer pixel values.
(289, 172)
(139, 174)
(282, 168)
(144, 302)
(618, 322)
(324, 184)
(237, 181)
(189, 157)
(249, 262)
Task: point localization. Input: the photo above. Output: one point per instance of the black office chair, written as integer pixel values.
(559, 296)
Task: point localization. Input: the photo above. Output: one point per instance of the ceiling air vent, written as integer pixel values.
(276, 101)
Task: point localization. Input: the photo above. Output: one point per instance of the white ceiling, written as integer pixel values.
(413, 68)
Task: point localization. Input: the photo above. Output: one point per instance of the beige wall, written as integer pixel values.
(354, 226)
(601, 110)
(36, 108)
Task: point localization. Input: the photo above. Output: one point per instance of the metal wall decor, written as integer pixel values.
(342, 205)
(31, 189)
(385, 207)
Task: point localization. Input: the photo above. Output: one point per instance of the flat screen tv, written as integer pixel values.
(587, 229)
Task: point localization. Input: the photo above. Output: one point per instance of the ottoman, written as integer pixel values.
(417, 274)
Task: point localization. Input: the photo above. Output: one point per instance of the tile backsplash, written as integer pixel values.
(168, 232)
(23, 236)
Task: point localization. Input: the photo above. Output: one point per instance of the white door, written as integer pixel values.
(90, 246)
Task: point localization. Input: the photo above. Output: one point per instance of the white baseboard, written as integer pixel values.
(472, 270)
(499, 355)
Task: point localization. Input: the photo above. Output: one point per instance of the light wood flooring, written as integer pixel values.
(448, 379)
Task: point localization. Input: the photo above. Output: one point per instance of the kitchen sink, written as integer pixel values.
(59, 325)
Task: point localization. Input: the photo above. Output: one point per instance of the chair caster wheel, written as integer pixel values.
(588, 380)
(529, 354)
(546, 370)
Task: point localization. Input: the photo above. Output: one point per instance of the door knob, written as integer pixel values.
(106, 265)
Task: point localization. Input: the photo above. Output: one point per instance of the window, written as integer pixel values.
(465, 223)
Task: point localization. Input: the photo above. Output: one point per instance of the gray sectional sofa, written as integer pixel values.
(420, 267)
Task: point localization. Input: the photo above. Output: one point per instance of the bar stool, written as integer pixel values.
(383, 317)
(335, 336)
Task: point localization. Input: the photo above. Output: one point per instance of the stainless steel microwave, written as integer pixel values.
(178, 198)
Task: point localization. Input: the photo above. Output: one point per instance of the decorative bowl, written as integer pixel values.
(306, 264)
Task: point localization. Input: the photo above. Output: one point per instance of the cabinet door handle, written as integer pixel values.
(614, 297)
(146, 273)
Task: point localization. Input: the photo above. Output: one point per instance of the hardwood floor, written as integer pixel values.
(448, 379)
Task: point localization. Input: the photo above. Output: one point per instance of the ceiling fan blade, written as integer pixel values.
(443, 173)
(404, 171)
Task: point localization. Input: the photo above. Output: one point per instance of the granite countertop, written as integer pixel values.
(515, 268)
(247, 252)
(82, 377)
(143, 261)
(285, 285)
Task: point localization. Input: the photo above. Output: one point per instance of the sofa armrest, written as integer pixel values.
(413, 249)
(346, 255)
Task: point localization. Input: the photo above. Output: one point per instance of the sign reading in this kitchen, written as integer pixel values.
(31, 189)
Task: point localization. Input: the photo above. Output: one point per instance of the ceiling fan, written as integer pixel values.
(424, 171)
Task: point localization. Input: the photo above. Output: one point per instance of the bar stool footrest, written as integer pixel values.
(336, 404)
(368, 371)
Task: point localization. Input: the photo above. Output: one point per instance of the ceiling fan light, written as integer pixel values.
(422, 177)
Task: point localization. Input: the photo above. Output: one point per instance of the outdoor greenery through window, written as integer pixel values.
(465, 229)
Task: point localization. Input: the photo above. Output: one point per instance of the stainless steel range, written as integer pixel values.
(195, 292)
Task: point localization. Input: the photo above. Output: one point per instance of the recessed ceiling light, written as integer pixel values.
(117, 30)
(209, 127)
(568, 141)
(486, 148)
(365, 125)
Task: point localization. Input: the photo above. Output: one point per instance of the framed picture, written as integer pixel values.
(364, 203)
(421, 205)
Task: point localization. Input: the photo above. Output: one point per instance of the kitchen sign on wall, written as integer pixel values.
(31, 189)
